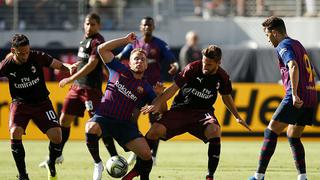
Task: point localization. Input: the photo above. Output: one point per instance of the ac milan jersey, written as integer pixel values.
(124, 93)
(288, 50)
(199, 91)
(26, 81)
(87, 48)
(157, 51)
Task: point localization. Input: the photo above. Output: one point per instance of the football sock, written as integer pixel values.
(155, 148)
(54, 152)
(65, 136)
(144, 168)
(258, 176)
(18, 153)
(302, 176)
(267, 150)
(213, 154)
(298, 154)
(109, 143)
(93, 146)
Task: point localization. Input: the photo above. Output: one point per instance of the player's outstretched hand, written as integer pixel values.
(63, 82)
(149, 109)
(131, 37)
(297, 102)
(173, 69)
(158, 88)
(244, 124)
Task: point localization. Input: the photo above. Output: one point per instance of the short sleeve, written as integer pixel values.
(184, 76)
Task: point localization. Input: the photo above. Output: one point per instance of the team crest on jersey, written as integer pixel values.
(33, 69)
(140, 89)
(218, 85)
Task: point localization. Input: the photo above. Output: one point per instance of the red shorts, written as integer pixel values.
(42, 114)
(192, 121)
(80, 99)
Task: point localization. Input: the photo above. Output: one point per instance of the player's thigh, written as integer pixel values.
(73, 105)
(93, 125)
(212, 130)
(66, 119)
(140, 147)
(18, 120)
(295, 131)
(277, 126)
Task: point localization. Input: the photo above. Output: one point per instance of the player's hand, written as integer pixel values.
(73, 69)
(173, 69)
(131, 37)
(150, 109)
(64, 81)
(158, 88)
(297, 102)
(244, 124)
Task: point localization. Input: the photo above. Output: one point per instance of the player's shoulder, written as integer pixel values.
(7, 59)
(97, 39)
(159, 41)
(222, 73)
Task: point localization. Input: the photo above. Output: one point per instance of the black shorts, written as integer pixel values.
(289, 114)
(42, 114)
(123, 131)
(192, 121)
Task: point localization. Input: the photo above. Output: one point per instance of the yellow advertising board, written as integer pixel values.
(256, 103)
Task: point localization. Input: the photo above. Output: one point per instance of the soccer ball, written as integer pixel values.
(117, 166)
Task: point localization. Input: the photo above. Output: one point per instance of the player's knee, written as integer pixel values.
(56, 139)
(16, 132)
(145, 155)
(66, 120)
(92, 127)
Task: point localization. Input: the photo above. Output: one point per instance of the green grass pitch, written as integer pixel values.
(177, 160)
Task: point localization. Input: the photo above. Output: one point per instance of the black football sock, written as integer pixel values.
(155, 148)
(18, 153)
(54, 152)
(109, 143)
(144, 168)
(213, 155)
(65, 136)
(92, 142)
(298, 154)
(267, 150)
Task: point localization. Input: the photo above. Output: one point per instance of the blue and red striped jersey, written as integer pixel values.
(292, 50)
(124, 93)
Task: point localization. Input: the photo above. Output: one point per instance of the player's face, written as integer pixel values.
(209, 66)
(138, 62)
(21, 54)
(146, 27)
(91, 27)
(271, 38)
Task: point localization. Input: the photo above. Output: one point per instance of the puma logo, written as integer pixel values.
(13, 74)
(200, 79)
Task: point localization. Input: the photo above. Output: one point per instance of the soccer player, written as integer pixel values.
(297, 108)
(30, 100)
(126, 89)
(158, 53)
(192, 109)
(85, 93)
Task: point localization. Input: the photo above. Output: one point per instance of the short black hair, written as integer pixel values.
(94, 16)
(19, 40)
(212, 52)
(148, 18)
(275, 23)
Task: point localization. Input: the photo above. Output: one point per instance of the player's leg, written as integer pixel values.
(213, 134)
(93, 132)
(18, 122)
(271, 134)
(18, 151)
(65, 121)
(55, 137)
(135, 117)
(153, 118)
(143, 164)
(294, 133)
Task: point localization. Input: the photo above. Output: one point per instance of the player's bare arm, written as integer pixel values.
(56, 64)
(105, 48)
(228, 101)
(294, 76)
(85, 70)
(160, 100)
